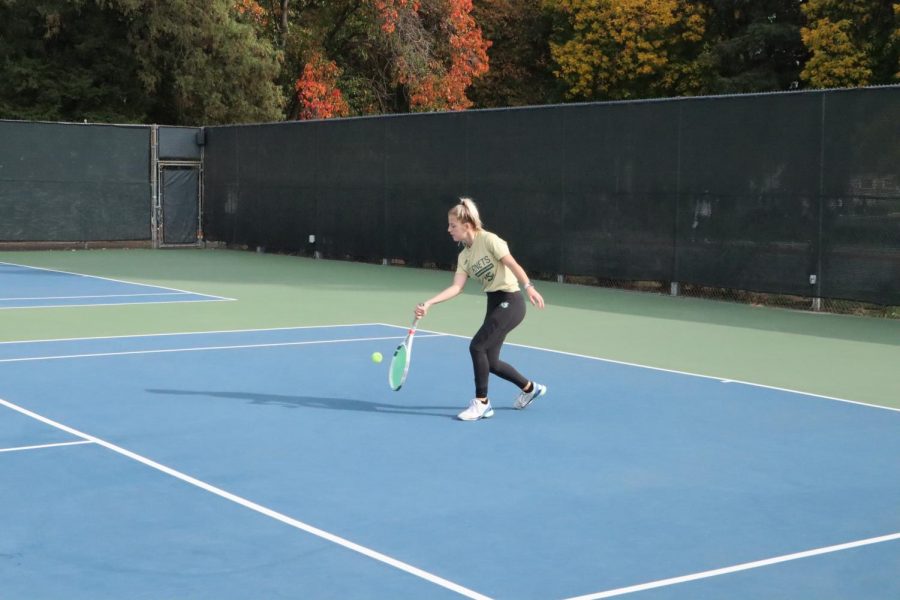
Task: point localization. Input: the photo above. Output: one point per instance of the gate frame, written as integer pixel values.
(159, 225)
(156, 209)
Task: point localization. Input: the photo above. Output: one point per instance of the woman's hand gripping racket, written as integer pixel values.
(400, 362)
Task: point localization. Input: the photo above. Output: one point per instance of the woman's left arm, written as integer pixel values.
(517, 270)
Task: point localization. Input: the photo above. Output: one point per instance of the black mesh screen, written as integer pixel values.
(425, 173)
(619, 167)
(861, 182)
(784, 193)
(350, 190)
(69, 183)
(747, 210)
(178, 188)
(179, 143)
(259, 185)
(513, 173)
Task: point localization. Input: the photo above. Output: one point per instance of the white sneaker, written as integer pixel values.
(477, 410)
(525, 399)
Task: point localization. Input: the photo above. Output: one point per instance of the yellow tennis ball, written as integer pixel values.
(376, 357)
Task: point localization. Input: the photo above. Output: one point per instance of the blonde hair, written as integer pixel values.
(467, 212)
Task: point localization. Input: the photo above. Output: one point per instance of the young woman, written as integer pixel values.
(486, 257)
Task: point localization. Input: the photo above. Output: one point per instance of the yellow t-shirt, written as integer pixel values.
(481, 261)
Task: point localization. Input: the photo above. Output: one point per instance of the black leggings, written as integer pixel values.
(505, 310)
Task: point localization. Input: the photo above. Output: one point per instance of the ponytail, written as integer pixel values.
(467, 212)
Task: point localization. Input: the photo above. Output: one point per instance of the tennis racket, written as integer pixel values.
(400, 362)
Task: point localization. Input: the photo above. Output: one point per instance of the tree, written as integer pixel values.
(852, 42)
(385, 56)
(895, 40)
(173, 62)
(68, 62)
(318, 96)
(752, 46)
(618, 49)
(205, 65)
(435, 50)
(521, 68)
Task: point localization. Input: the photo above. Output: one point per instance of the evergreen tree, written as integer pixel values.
(752, 46)
(521, 68)
(170, 62)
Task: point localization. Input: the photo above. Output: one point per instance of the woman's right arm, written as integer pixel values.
(455, 289)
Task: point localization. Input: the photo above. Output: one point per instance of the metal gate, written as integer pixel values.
(176, 186)
(178, 210)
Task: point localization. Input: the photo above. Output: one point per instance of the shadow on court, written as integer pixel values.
(320, 403)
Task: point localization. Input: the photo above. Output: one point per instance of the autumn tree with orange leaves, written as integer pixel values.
(318, 96)
(345, 57)
(434, 65)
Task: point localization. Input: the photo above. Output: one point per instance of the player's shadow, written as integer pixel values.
(319, 403)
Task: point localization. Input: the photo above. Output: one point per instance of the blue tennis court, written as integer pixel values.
(278, 464)
(24, 286)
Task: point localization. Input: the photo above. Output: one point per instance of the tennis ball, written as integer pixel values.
(376, 357)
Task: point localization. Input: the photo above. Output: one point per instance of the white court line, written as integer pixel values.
(599, 595)
(719, 379)
(150, 285)
(21, 448)
(675, 372)
(205, 298)
(736, 568)
(97, 296)
(438, 334)
(330, 537)
(177, 333)
(203, 348)
(96, 277)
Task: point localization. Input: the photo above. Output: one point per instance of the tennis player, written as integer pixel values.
(486, 258)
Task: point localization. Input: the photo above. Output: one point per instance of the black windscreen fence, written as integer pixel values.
(180, 211)
(747, 205)
(860, 200)
(791, 193)
(70, 183)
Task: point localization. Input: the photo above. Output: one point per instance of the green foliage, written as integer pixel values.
(853, 42)
(224, 61)
(392, 55)
(345, 31)
(752, 46)
(67, 61)
(365, 54)
(521, 72)
(172, 62)
(209, 67)
(895, 43)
